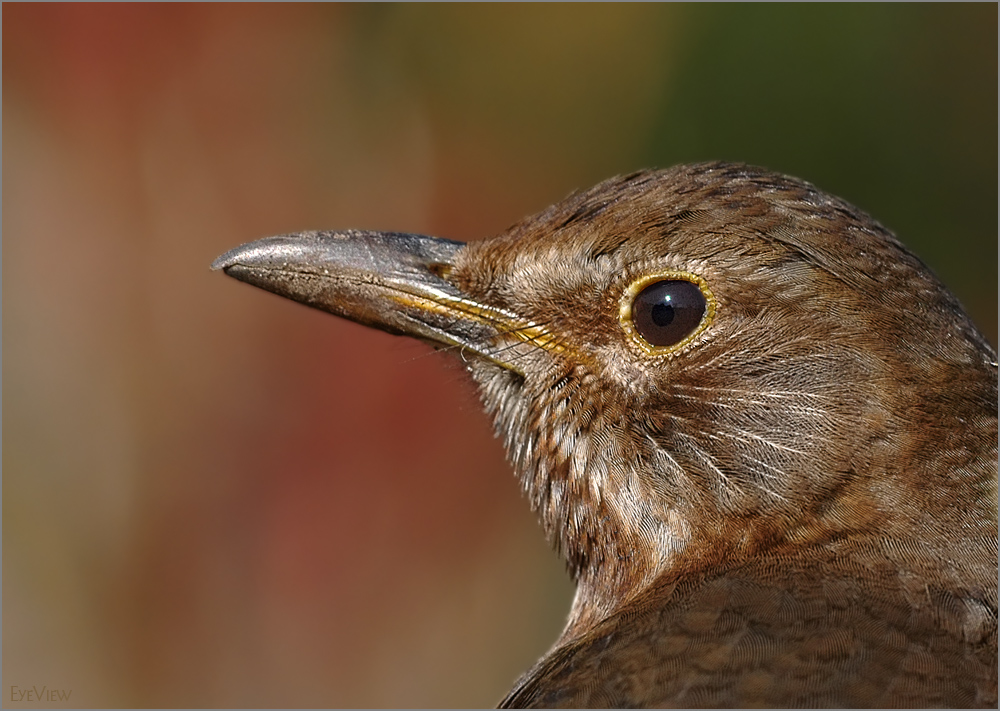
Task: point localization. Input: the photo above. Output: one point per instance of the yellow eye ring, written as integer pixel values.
(662, 313)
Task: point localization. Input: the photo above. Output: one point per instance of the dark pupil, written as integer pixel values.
(666, 312)
(663, 314)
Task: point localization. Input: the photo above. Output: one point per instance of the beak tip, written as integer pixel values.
(224, 262)
(264, 253)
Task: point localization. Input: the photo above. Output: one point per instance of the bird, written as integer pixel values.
(758, 429)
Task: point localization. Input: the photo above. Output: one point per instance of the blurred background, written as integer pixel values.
(216, 497)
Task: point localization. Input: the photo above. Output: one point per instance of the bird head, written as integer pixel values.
(690, 366)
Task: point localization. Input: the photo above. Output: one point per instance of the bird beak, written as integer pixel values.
(394, 282)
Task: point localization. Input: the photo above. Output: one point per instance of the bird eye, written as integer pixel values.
(665, 313)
